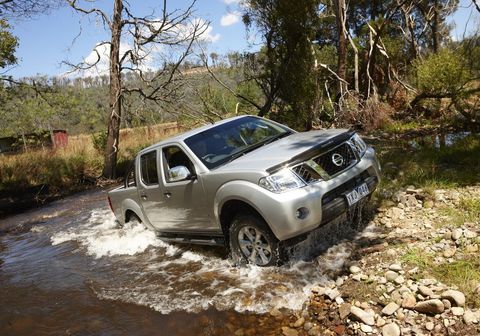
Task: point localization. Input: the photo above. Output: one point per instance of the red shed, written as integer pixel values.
(59, 138)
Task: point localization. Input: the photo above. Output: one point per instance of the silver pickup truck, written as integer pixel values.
(248, 183)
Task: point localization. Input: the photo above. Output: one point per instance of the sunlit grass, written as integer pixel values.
(428, 167)
(76, 164)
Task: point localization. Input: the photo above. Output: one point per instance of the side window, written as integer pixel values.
(174, 156)
(130, 177)
(148, 168)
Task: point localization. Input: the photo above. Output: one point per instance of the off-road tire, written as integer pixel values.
(268, 250)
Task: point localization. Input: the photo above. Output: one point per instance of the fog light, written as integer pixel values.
(301, 213)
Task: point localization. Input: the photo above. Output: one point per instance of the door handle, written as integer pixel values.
(167, 194)
(144, 197)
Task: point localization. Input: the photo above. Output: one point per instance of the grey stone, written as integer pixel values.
(366, 328)
(354, 269)
(425, 291)
(458, 311)
(470, 234)
(362, 315)
(456, 234)
(390, 308)
(399, 280)
(434, 306)
(469, 317)
(395, 267)
(344, 310)
(391, 329)
(455, 297)
(332, 293)
(391, 275)
(449, 252)
(287, 331)
(409, 301)
(298, 323)
(429, 325)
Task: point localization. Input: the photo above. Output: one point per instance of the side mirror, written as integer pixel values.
(179, 173)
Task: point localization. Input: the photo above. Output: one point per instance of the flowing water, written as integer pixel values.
(66, 269)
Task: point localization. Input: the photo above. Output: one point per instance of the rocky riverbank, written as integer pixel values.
(420, 276)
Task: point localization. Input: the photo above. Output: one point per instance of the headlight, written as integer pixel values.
(282, 181)
(358, 145)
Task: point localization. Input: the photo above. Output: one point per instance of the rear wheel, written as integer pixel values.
(251, 240)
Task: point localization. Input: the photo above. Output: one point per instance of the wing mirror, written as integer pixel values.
(180, 173)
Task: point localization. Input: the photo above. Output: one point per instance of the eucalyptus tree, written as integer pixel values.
(151, 46)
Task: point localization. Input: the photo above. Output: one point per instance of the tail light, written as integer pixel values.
(110, 203)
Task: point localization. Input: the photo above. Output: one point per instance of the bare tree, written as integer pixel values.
(27, 8)
(340, 13)
(142, 37)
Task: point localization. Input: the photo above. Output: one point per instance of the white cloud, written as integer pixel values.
(230, 19)
(229, 2)
(150, 55)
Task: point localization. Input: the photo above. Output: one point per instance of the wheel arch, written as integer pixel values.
(232, 208)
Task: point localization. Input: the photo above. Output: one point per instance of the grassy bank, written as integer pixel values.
(37, 175)
(429, 162)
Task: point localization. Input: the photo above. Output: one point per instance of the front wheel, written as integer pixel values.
(252, 240)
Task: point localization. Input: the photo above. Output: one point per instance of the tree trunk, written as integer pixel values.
(342, 44)
(435, 27)
(114, 119)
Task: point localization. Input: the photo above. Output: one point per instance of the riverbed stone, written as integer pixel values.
(457, 298)
(362, 315)
(298, 323)
(391, 329)
(395, 267)
(458, 311)
(366, 328)
(409, 301)
(425, 291)
(429, 325)
(469, 317)
(391, 275)
(457, 234)
(449, 252)
(354, 269)
(287, 331)
(390, 308)
(434, 306)
(469, 234)
(344, 310)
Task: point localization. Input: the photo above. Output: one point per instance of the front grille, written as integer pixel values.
(336, 160)
(306, 174)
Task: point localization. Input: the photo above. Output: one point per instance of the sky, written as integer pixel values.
(64, 35)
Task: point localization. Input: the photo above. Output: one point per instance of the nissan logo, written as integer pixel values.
(337, 159)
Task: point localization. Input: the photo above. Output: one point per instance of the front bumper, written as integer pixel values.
(324, 200)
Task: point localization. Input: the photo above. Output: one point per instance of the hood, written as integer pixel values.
(289, 150)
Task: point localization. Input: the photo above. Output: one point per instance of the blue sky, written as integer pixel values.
(48, 40)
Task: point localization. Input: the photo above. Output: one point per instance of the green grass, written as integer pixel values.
(465, 273)
(468, 211)
(418, 258)
(428, 167)
(401, 127)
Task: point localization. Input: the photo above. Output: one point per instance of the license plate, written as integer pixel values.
(357, 194)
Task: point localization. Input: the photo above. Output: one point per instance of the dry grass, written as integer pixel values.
(75, 164)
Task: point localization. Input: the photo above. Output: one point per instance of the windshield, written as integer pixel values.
(226, 142)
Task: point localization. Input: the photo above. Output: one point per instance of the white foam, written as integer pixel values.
(101, 236)
(184, 278)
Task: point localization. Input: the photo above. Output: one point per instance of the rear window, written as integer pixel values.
(148, 168)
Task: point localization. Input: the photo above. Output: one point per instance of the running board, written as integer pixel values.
(197, 240)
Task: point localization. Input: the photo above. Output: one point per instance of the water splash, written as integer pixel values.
(189, 278)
